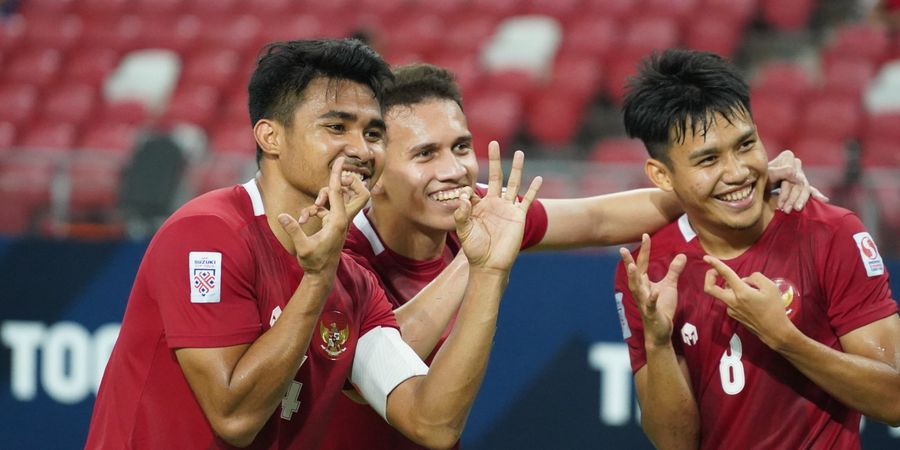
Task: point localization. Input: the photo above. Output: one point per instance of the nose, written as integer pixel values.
(450, 168)
(357, 147)
(736, 169)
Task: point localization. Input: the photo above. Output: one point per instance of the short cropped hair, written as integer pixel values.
(679, 91)
(285, 69)
(416, 83)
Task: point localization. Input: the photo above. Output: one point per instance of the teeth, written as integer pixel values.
(737, 195)
(443, 196)
(355, 174)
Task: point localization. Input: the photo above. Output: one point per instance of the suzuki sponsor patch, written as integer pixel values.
(626, 331)
(206, 276)
(871, 259)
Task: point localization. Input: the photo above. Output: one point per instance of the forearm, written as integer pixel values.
(608, 219)
(444, 397)
(424, 318)
(669, 413)
(865, 384)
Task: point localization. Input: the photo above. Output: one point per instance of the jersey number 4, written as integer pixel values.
(731, 369)
(290, 404)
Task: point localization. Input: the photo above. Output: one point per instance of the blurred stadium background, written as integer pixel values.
(114, 112)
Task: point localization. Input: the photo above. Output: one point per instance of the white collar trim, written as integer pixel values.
(255, 197)
(686, 229)
(362, 223)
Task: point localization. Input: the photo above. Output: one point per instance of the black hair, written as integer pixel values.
(285, 69)
(415, 83)
(679, 91)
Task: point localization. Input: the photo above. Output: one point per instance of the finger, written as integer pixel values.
(495, 170)
(293, 229)
(532, 192)
(356, 195)
(643, 259)
(676, 267)
(761, 282)
(322, 198)
(515, 176)
(463, 212)
(818, 195)
(633, 281)
(710, 287)
(784, 192)
(335, 196)
(731, 278)
(801, 187)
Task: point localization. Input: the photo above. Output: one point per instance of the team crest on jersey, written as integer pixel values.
(206, 272)
(869, 253)
(334, 330)
(790, 296)
(689, 334)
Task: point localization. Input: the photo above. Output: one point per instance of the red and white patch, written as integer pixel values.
(868, 252)
(206, 276)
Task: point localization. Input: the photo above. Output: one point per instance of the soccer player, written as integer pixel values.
(245, 320)
(747, 327)
(406, 236)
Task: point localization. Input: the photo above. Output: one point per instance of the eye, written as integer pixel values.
(336, 127)
(707, 161)
(748, 144)
(462, 148)
(374, 135)
(425, 153)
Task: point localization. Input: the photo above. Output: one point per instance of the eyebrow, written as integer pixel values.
(349, 117)
(434, 145)
(706, 151)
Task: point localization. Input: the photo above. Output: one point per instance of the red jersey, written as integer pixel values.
(355, 426)
(215, 276)
(833, 282)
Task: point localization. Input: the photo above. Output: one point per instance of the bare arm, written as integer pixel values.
(432, 410)
(424, 318)
(865, 376)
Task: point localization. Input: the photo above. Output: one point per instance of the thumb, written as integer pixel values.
(292, 227)
(462, 214)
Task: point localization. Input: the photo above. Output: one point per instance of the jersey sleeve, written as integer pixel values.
(201, 276)
(629, 320)
(535, 220)
(855, 278)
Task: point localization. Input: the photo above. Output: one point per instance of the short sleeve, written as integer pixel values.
(629, 320)
(535, 224)
(855, 278)
(200, 274)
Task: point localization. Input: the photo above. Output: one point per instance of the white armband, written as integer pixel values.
(382, 361)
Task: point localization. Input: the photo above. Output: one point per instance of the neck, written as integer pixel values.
(404, 237)
(727, 243)
(279, 197)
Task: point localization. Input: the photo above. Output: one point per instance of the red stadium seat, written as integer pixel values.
(645, 34)
(714, 32)
(465, 68)
(615, 9)
(128, 111)
(90, 65)
(192, 104)
(576, 76)
(884, 126)
(518, 82)
(443, 8)
(675, 9)
(268, 7)
(34, 66)
(233, 138)
(213, 67)
(113, 32)
(467, 34)
(298, 26)
(12, 33)
(556, 186)
(559, 9)
(45, 7)
(493, 116)
(553, 119)
(19, 102)
(208, 8)
(72, 103)
(55, 138)
(881, 153)
(739, 11)
(24, 191)
(415, 34)
(158, 6)
(618, 70)
(224, 170)
(784, 79)
(7, 136)
(775, 116)
(93, 183)
(234, 32)
(59, 32)
(91, 7)
(790, 15)
(832, 117)
(817, 151)
(619, 150)
(592, 36)
(167, 31)
(114, 139)
(860, 41)
(498, 8)
(848, 75)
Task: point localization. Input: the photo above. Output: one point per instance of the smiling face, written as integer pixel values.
(334, 118)
(720, 177)
(429, 158)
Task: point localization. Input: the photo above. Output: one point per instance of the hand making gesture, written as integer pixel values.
(345, 196)
(655, 299)
(491, 228)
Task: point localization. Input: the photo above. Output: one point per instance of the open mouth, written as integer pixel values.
(446, 195)
(362, 173)
(739, 197)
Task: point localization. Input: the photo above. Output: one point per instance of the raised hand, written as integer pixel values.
(656, 300)
(787, 170)
(491, 228)
(754, 301)
(320, 251)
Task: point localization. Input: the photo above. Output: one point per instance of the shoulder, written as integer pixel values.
(215, 219)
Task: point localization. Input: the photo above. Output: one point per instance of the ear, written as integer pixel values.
(659, 173)
(268, 134)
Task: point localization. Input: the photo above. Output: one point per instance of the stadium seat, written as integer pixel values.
(212, 8)
(234, 138)
(592, 36)
(114, 139)
(775, 116)
(222, 171)
(498, 8)
(24, 190)
(646, 34)
(415, 34)
(50, 138)
(158, 6)
(38, 66)
(113, 32)
(7, 136)
(168, 31)
(740, 11)
(93, 183)
(885, 126)
(822, 152)
(562, 10)
(295, 26)
(834, 117)
(614, 9)
(555, 185)
(90, 65)
(865, 41)
(714, 32)
(51, 31)
(620, 150)
(618, 70)
(848, 75)
(678, 10)
(238, 32)
(268, 7)
(192, 104)
(128, 111)
(467, 34)
(19, 102)
(92, 7)
(881, 153)
(787, 15)
(212, 67)
(553, 119)
(12, 33)
(493, 116)
(74, 103)
(517, 82)
(32, 8)
(576, 76)
(465, 68)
